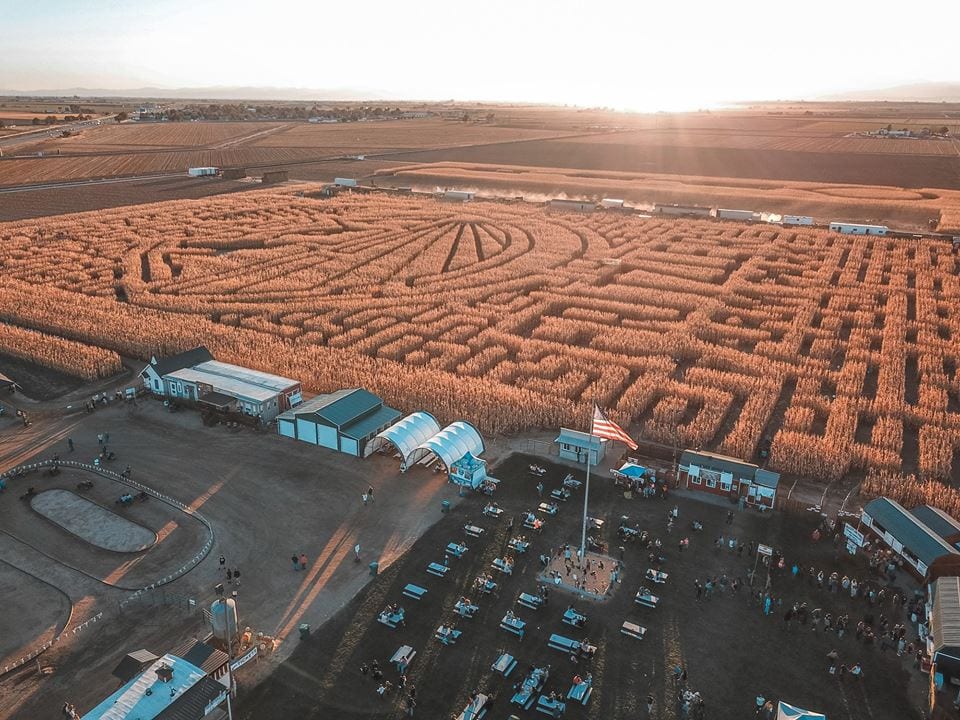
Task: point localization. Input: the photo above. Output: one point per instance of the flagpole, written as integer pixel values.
(586, 497)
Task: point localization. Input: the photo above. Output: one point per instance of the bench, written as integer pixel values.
(476, 709)
(437, 569)
(553, 708)
(534, 602)
(513, 624)
(391, 620)
(447, 638)
(656, 576)
(492, 511)
(473, 530)
(465, 609)
(502, 565)
(572, 617)
(633, 630)
(518, 545)
(646, 598)
(595, 523)
(403, 657)
(457, 550)
(581, 692)
(414, 592)
(504, 665)
(548, 508)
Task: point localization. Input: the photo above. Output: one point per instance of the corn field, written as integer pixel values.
(841, 351)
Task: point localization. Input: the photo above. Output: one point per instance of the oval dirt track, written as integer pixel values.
(90, 522)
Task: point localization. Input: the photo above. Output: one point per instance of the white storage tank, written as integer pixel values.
(223, 618)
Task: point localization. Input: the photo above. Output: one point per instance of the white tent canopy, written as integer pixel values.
(786, 711)
(450, 444)
(407, 434)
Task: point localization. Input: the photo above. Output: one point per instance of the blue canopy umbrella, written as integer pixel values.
(786, 711)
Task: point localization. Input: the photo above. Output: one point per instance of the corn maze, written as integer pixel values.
(839, 352)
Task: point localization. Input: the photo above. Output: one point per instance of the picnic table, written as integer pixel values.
(533, 682)
(475, 709)
(403, 657)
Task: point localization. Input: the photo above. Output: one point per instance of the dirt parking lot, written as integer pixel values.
(266, 497)
(732, 651)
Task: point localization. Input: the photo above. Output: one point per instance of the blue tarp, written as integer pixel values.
(631, 470)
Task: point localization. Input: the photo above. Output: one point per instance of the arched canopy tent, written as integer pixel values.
(450, 444)
(407, 434)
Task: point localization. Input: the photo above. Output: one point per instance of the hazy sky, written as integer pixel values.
(634, 54)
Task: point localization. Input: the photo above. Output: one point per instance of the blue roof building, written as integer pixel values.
(906, 534)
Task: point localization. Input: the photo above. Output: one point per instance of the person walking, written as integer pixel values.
(229, 576)
(303, 561)
(370, 493)
(540, 489)
(364, 497)
(295, 561)
(99, 438)
(70, 444)
(236, 577)
(356, 552)
(649, 704)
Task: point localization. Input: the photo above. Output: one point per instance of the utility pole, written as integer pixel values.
(229, 640)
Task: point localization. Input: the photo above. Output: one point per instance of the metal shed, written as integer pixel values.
(575, 445)
(906, 535)
(943, 643)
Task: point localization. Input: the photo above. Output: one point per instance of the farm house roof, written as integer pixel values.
(186, 359)
(945, 617)
(908, 530)
(579, 439)
(937, 520)
(341, 408)
(721, 463)
(369, 423)
(411, 431)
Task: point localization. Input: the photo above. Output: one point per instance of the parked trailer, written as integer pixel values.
(725, 214)
(675, 209)
(458, 195)
(858, 229)
(611, 203)
(797, 220)
(345, 182)
(202, 171)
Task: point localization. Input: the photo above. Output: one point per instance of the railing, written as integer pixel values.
(138, 595)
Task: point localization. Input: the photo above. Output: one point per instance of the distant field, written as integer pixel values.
(765, 140)
(898, 207)
(893, 169)
(164, 135)
(400, 134)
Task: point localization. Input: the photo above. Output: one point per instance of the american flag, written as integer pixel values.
(605, 428)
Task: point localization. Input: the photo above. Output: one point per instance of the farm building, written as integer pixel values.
(728, 476)
(195, 376)
(943, 640)
(346, 421)
(406, 435)
(274, 176)
(572, 205)
(675, 209)
(459, 195)
(725, 214)
(909, 536)
(234, 173)
(170, 687)
(612, 203)
(202, 171)
(797, 220)
(858, 229)
(575, 445)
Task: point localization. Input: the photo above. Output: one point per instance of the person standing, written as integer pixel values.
(229, 576)
(370, 493)
(70, 444)
(99, 438)
(303, 561)
(236, 577)
(540, 489)
(223, 562)
(649, 704)
(295, 561)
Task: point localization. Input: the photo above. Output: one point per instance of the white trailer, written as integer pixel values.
(345, 182)
(611, 203)
(458, 195)
(858, 229)
(725, 214)
(797, 220)
(202, 171)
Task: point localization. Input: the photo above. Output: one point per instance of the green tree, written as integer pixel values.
(121, 116)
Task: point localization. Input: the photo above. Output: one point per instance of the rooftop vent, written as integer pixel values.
(165, 673)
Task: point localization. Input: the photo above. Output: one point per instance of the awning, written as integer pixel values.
(630, 470)
(217, 400)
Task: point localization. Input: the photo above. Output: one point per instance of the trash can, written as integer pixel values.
(304, 631)
(445, 506)
(374, 567)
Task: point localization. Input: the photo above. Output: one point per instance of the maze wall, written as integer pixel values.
(835, 351)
